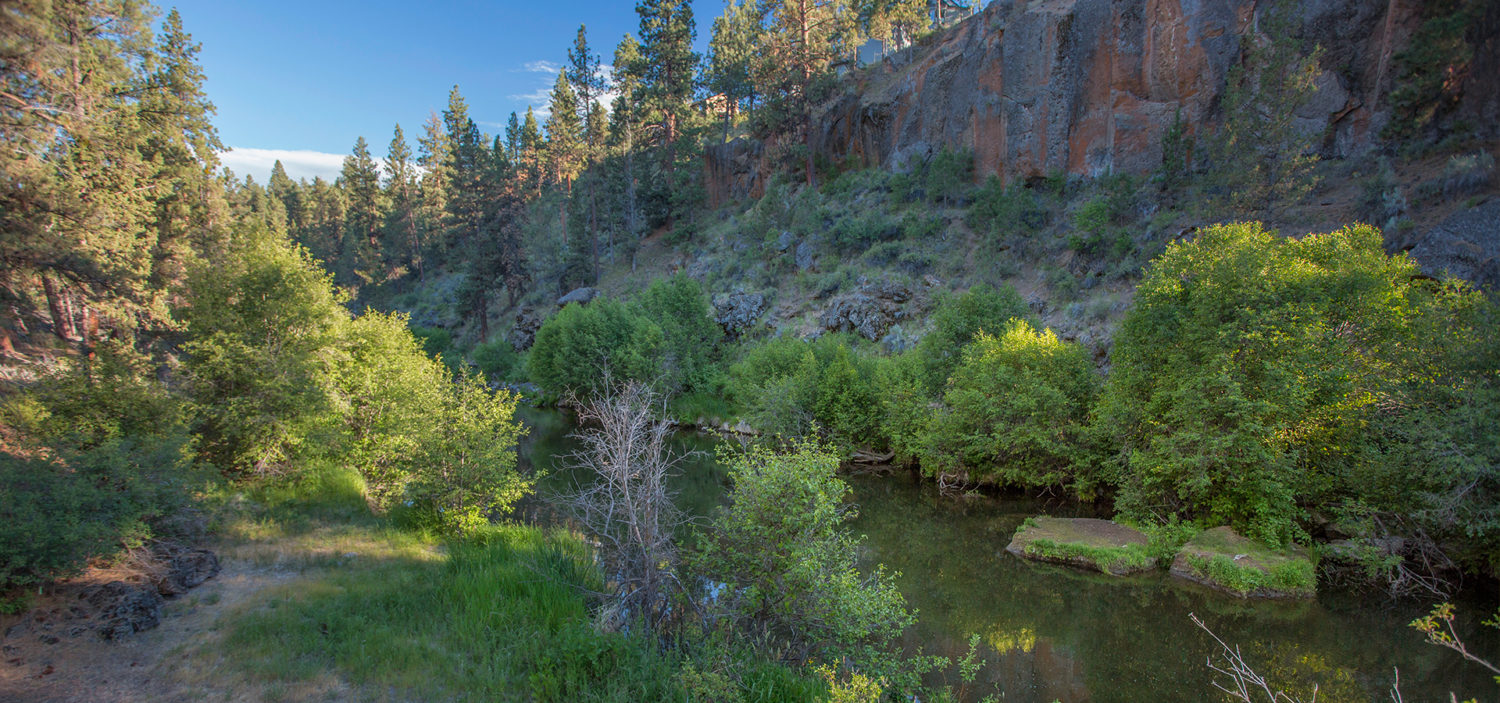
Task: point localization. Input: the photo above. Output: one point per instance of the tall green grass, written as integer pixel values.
(500, 615)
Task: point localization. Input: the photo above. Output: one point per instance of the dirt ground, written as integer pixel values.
(162, 664)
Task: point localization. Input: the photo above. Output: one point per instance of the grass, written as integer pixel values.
(370, 611)
(1111, 548)
(1132, 557)
(1246, 567)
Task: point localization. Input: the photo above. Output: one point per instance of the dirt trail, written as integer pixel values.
(161, 664)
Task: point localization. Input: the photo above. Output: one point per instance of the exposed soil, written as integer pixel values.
(55, 653)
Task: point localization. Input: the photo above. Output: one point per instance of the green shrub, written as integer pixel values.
(794, 387)
(1014, 411)
(790, 564)
(950, 176)
(690, 336)
(261, 324)
(1246, 374)
(438, 342)
(1425, 89)
(468, 470)
(957, 319)
(1005, 212)
(576, 348)
(498, 360)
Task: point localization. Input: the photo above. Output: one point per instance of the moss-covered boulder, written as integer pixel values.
(1102, 545)
(1227, 561)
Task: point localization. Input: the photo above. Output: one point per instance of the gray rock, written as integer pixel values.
(188, 570)
(785, 241)
(805, 257)
(124, 608)
(579, 295)
(1466, 245)
(738, 312)
(523, 333)
(868, 312)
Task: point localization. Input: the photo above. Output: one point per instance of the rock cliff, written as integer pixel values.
(1091, 86)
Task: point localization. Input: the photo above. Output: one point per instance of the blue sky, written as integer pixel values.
(302, 80)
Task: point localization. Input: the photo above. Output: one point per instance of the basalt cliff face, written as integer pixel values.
(1091, 86)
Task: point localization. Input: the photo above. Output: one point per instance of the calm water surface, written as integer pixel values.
(1054, 633)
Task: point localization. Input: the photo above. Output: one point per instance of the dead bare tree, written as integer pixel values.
(627, 508)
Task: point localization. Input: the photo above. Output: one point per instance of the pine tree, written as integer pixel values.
(432, 156)
(288, 196)
(667, 62)
(360, 245)
(402, 233)
(731, 56)
(588, 83)
(531, 153)
(805, 38)
(465, 165)
(564, 134)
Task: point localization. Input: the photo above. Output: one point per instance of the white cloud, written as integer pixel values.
(298, 164)
(548, 67)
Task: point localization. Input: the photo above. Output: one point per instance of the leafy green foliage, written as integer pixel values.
(790, 566)
(958, 319)
(1014, 411)
(261, 326)
(1004, 212)
(678, 306)
(1110, 560)
(950, 176)
(498, 360)
(582, 344)
(468, 472)
(794, 387)
(1246, 371)
(103, 461)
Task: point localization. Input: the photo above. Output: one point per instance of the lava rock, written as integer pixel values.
(188, 570)
(805, 257)
(523, 333)
(738, 312)
(579, 295)
(124, 608)
(868, 312)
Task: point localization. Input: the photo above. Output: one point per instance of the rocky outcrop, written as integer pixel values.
(523, 332)
(738, 312)
(1466, 245)
(1034, 87)
(578, 295)
(1227, 561)
(1091, 86)
(868, 311)
(1101, 545)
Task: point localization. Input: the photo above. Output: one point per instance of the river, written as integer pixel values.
(1052, 633)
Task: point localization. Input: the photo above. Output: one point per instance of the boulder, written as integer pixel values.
(805, 256)
(1099, 545)
(738, 312)
(187, 570)
(124, 608)
(784, 241)
(1227, 561)
(578, 295)
(868, 312)
(1466, 244)
(523, 332)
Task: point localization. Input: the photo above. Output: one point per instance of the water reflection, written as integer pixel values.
(1053, 633)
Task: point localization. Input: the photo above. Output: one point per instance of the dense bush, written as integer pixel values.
(790, 565)
(262, 325)
(950, 176)
(957, 320)
(690, 336)
(100, 461)
(1007, 211)
(793, 386)
(1258, 376)
(582, 344)
(1014, 411)
(498, 360)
